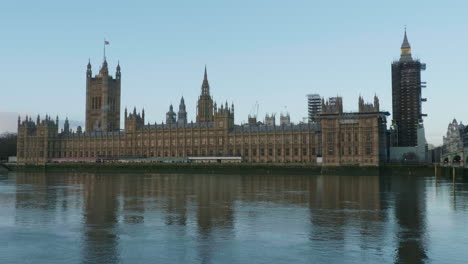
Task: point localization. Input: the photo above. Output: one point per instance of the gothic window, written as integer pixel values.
(331, 143)
(270, 152)
(368, 143)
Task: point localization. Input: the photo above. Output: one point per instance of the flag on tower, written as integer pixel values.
(106, 42)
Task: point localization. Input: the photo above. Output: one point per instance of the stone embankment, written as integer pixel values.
(241, 168)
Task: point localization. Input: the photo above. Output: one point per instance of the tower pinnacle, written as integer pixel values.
(405, 49)
(205, 84)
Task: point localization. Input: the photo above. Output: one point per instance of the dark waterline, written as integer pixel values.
(184, 218)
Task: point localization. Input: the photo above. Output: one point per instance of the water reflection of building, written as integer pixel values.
(341, 210)
(410, 214)
(338, 203)
(100, 241)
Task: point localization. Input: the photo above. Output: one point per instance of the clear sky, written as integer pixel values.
(273, 52)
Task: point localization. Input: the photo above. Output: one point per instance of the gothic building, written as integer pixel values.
(353, 138)
(455, 138)
(213, 134)
(406, 97)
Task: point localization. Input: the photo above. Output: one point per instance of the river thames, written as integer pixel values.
(215, 218)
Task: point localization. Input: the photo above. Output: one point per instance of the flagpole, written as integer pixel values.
(104, 49)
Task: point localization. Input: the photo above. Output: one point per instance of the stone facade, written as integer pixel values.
(214, 134)
(353, 138)
(453, 141)
(102, 100)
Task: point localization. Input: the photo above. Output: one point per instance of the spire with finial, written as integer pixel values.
(117, 72)
(205, 85)
(88, 69)
(405, 49)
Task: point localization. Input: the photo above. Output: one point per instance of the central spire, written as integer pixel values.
(205, 85)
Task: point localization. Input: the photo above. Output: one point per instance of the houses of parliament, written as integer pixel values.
(337, 138)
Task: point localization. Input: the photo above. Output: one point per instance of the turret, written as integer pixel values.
(224, 117)
(117, 73)
(89, 72)
(170, 116)
(134, 121)
(66, 127)
(182, 114)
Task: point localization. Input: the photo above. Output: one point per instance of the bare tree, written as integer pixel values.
(7, 145)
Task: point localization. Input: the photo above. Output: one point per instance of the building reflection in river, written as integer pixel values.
(343, 211)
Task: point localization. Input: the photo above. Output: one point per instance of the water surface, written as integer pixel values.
(185, 218)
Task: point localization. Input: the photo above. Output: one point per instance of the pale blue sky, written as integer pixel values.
(273, 52)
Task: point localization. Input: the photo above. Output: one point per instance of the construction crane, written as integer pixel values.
(254, 110)
(253, 114)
